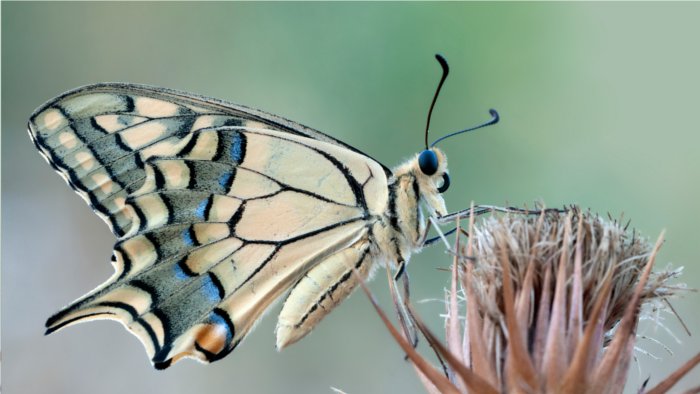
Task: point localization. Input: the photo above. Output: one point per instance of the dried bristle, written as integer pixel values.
(559, 267)
(605, 246)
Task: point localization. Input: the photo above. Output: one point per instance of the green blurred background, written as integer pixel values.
(599, 106)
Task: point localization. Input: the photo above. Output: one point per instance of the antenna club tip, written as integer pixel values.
(443, 62)
(494, 114)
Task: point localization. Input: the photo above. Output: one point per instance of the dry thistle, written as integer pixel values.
(552, 306)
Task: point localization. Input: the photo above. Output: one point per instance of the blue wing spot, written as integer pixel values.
(217, 319)
(224, 179)
(202, 207)
(210, 289)
(236, 150)
(187, 237)
(179, 273)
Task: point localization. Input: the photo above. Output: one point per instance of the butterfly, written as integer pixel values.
(219, 210)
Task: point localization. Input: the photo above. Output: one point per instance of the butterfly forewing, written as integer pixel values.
(219, 209)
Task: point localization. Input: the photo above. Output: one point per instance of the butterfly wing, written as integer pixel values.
(98, 137)
(219, 209)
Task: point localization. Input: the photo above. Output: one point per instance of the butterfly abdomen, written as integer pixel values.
(321, 289)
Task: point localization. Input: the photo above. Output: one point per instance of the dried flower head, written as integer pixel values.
(552, 306)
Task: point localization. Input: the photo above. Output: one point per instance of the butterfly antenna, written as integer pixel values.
(445, 71)
(494, 119)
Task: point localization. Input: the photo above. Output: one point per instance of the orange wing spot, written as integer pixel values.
(212, 338)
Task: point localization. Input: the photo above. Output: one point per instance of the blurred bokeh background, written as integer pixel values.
(599, 106)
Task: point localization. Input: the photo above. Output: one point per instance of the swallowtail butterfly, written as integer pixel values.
(220, 209)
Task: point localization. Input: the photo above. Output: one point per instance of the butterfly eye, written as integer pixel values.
(445, 183)
(428, 162)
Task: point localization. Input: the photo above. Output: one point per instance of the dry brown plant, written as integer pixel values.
(542, 304)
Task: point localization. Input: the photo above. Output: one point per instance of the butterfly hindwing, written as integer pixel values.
(219, 209)
(321, 289)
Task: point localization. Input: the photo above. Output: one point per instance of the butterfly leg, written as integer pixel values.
(432, 240)
(320, 290)
(482, 209)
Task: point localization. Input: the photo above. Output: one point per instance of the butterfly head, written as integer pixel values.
(430, 170)
(432, 162)
(430, 165)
